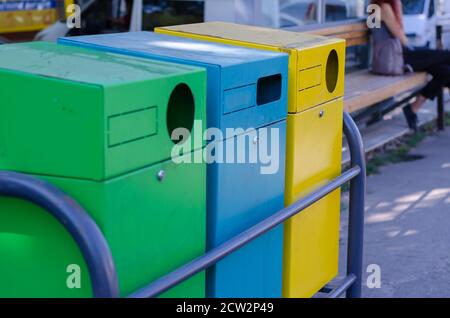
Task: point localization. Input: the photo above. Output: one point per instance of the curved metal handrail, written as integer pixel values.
(218, 253)
(98, 257)
(77, 222)
(357, 177)
(356, 206)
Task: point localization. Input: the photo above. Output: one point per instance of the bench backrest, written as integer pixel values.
(356, 33)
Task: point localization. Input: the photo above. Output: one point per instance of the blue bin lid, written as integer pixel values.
(176, 47)
(234, 80)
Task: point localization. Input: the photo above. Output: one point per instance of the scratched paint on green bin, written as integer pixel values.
(73, 98)
(94, 125)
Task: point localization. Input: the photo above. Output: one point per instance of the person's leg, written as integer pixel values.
(418, 102)
(434, 62)
(441, 79)
(422, 59)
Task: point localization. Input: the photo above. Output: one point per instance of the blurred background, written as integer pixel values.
(46, 19)
(21, 20)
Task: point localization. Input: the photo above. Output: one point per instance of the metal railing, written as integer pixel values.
(76, 221)
(98, 258)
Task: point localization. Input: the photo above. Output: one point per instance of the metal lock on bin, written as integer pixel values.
(247, 89)
(98, 126)
(314, 142)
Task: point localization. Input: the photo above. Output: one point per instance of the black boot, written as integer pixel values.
(411, 117)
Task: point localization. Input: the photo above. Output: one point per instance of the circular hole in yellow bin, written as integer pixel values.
(332, 71)
(180, 111)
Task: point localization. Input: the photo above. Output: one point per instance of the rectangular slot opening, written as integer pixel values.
(132, 126)
(310, 77)
(239, 98)
(269, 89)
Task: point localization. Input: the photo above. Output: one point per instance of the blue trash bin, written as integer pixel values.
(246, 89)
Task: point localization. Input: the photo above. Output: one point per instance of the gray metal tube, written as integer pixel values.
(75, 220)
(344, 285)
(213, 256)
(356, 209)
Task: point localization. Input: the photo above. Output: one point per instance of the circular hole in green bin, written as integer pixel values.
(181, 110)
(332, 72)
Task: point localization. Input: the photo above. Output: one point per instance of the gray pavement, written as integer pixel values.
(407, 231)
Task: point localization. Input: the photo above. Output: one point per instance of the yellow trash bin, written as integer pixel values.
(314, 142)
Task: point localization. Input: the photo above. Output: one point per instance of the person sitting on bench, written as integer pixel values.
(433, 62)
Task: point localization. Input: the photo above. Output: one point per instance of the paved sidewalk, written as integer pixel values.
(407, 230)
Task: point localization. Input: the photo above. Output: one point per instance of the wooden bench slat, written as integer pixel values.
(351, 35)
(356, 41)
(354, 34)
(363, 89)
(349, 28)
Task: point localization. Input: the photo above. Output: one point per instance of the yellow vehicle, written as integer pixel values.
(314, 142)
(29, 15)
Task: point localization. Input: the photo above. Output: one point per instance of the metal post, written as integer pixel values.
(440, 98)
(441, 111)
(439, 40)
(321, 7)
(356, 209)
(136, 16)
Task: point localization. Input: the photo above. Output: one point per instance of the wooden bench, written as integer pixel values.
(363, 89)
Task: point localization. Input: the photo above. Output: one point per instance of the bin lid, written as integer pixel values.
(81, 65)
(253, 34)
(179, 48)
(316, 63)
(235, 74)
(80, 113)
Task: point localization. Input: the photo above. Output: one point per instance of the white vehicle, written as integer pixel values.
(420, 18)
(444, 9)
(444, 21)
(276, 13)
(296, 13)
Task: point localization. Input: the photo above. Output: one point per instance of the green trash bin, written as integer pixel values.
(98, 126)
